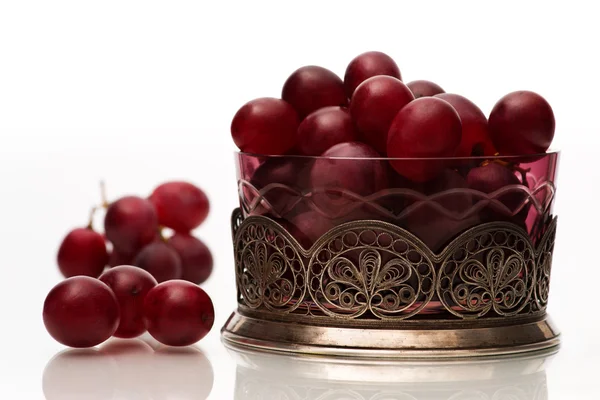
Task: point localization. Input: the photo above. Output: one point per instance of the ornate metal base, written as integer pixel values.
(437, 340)
(371, 289)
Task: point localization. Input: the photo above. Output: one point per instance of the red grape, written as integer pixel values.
(290, 171)
(178, 313)
(456, 201)
(367, 65)
(423, 88)
(308, 227)
(324, 128)
(130, 285)
(81, 312)
(426, 128)
(395, 203)
(160, 260)
(475, 136)
(492, 177)
(430, 224)
(82, 252)
(374, 105)
(196, 259)
(115, 259)
(310, 88)
(265, 126)
(293, 172)
(130, 223)
(180, 206)
(522, 123)
(344, 167)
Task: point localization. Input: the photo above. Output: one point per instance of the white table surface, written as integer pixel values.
(141, 369)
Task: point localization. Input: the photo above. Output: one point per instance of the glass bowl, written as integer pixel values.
(464, 244)
(282, 188)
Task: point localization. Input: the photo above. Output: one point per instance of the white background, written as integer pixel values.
(138, 92)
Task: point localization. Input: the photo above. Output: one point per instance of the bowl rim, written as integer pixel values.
(516, 158)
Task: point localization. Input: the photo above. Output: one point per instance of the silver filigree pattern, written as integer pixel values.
(372, 270)
(356, 269)
(544, 265)
(489, 268)
(269, 268)
(237, 218)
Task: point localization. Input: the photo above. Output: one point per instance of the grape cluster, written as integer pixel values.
(318, 110)
(371, 131)
(125, 302)
(134, 235)
(146, 281)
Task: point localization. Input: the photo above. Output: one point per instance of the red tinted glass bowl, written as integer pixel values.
(331, 241)
(285, 189)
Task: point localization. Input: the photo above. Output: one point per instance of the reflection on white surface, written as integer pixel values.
(276, 377)
(128, 369)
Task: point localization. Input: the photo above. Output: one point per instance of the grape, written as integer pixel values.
(423, 88)
(374, 105)
(130, 285)
(367, 65)
(161, 261)
(324, 128)
(310, 88)
(265, 126)
(180, 206)
(293, 172)
(178, 313)
(290, 171)
(475, 136)
(426, 127)
(130, 223)
(196, 259)
(343, 167)
(431, 225)
(308, 227)
(115, 259)
(522, 123)
(81, 312)
(82, 252)
(490, 178)
(395, 203)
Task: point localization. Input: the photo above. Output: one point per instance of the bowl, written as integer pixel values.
(349, 257)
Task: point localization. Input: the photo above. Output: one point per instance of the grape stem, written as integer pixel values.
(103, 198)
(90, 224)
(161, 234)
(103, 205)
